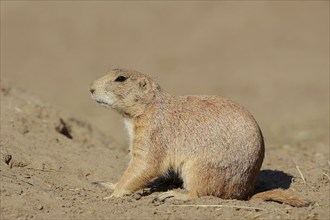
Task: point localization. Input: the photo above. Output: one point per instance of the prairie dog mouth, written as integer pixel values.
(103, 103)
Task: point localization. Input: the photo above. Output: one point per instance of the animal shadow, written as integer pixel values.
(272, 179)
(163, 184)
(266, 180)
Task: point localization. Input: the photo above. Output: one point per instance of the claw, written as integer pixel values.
(108, 197)
(164, 196)
(108, 185)
(171, 195)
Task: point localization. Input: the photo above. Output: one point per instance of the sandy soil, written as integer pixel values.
(271, 57)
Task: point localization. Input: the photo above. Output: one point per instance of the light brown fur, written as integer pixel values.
(212, 143)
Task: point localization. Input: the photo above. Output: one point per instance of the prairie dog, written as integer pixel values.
(212, 143)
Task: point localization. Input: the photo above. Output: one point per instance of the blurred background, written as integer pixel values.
(272, 57)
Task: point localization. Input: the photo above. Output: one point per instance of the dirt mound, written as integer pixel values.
(50, 158)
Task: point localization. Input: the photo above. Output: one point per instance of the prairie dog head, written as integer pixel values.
(126, 91)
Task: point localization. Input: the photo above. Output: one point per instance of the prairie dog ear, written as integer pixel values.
(144, 84)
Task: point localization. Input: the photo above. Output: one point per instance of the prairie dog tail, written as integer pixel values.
(283, 196)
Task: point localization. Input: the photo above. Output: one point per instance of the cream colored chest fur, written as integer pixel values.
(130, 129)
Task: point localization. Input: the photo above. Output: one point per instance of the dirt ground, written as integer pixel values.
(272, 57)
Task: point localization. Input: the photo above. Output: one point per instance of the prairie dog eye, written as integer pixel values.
(120, 79)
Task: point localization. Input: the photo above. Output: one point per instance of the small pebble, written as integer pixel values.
(137, 196)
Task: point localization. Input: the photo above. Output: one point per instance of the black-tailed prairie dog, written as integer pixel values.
(212, 143)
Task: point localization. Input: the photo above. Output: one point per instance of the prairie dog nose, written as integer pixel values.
(92, 89)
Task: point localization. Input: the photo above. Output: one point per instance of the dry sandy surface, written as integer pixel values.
(272, 57)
